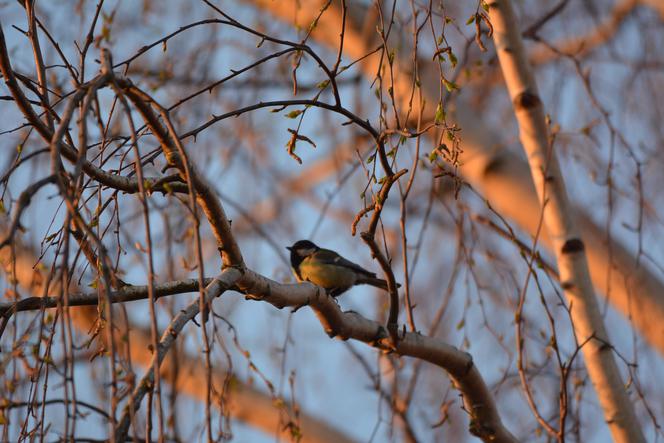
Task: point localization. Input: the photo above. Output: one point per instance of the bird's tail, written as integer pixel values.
(373, 281)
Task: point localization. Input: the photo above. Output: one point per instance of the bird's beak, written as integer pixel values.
(290, 248)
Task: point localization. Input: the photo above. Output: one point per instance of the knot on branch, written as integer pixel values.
(481, 430)
(573, 245)
(526, 100)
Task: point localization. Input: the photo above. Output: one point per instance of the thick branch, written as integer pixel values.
(478, 400)
(485, 420)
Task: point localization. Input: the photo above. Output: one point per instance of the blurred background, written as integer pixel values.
(462, 227)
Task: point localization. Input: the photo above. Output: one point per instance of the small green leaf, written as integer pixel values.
(440, 114)
(471, 19)
(450, 86)
(453, 59)
(294, 114)
(323, 84)
(105, 32)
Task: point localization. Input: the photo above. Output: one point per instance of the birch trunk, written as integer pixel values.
(567, 244)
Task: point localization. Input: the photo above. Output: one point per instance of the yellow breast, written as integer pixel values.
(326, 275)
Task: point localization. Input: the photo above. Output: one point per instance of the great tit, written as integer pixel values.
(328, 269)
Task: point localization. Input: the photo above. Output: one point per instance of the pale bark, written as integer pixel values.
(485, 421)
(559, 220)
(501, 176)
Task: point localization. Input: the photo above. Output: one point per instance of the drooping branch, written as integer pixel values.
(214, 289)
(174, 152)
(247, 403)
(22, 203)
(126, 184)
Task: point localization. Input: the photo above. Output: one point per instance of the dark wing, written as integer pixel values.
(329, 257)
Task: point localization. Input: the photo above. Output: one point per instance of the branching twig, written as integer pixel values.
(214, 289)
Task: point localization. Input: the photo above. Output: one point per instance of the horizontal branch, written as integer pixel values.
(127, 293)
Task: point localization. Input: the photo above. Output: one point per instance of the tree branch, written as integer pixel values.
(485, 421)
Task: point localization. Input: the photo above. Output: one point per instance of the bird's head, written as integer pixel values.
(300, 250)
(303, 248)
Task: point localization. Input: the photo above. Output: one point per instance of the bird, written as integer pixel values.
(328, 269)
